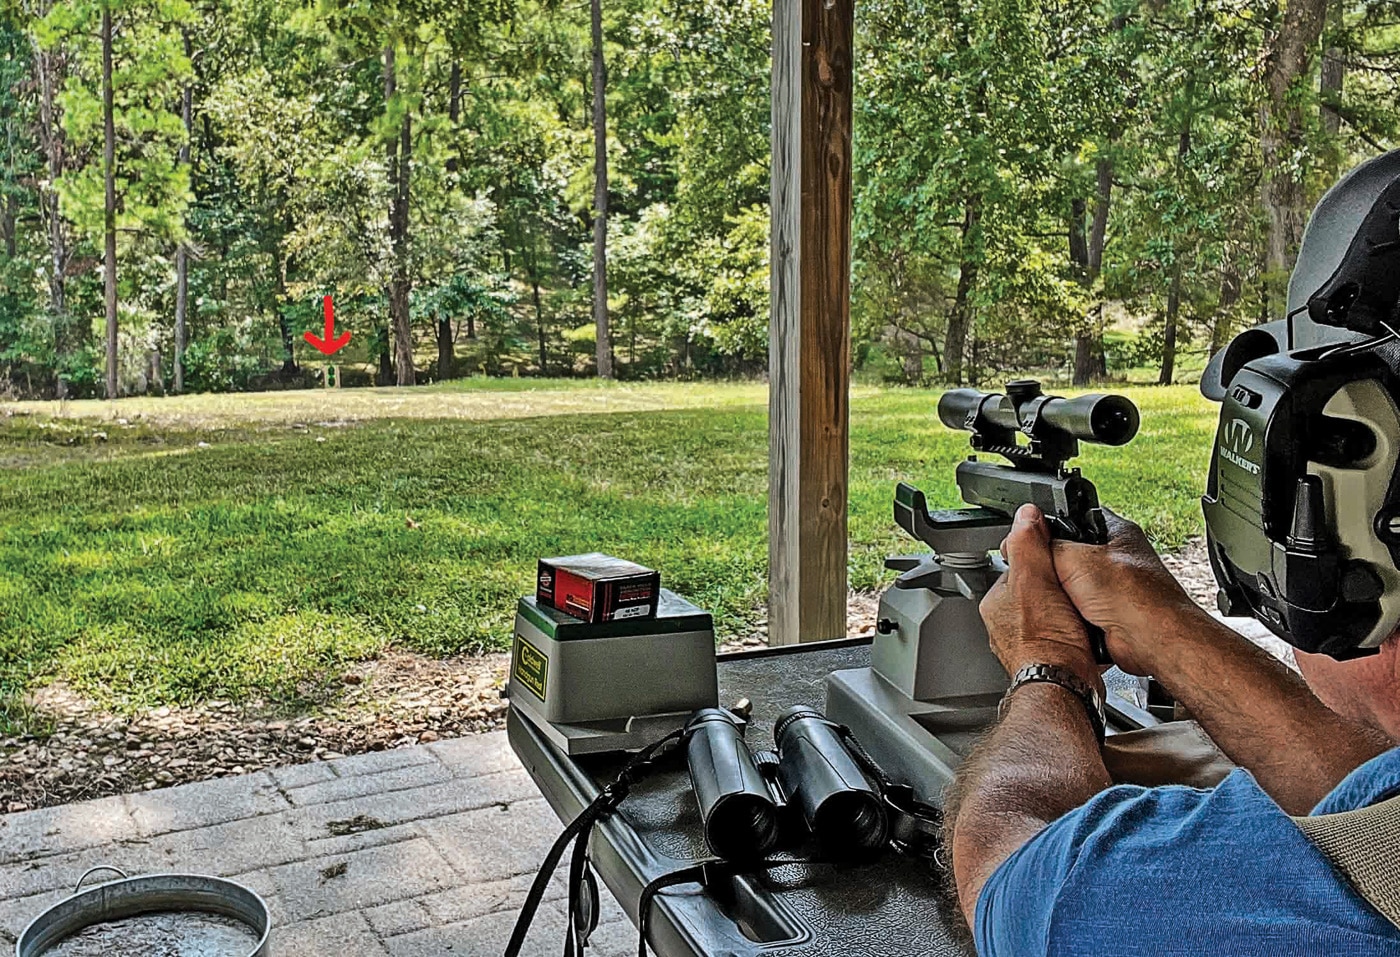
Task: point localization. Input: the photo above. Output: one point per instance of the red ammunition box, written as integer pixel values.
(598, 587)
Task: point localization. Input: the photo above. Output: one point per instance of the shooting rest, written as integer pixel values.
(933, 683)
(612, 686)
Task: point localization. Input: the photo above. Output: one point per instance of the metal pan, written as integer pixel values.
(190, 894)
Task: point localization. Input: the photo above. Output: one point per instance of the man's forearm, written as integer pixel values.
(1260, 713)
(1041, 761)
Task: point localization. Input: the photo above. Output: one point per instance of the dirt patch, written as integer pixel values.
(358, 824)
(861, 611)
(1191, 566)
(398, 700)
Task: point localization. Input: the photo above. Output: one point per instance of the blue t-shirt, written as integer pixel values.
(1179, 871)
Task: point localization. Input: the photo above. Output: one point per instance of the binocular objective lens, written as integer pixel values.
(852, 824)
(841, 807)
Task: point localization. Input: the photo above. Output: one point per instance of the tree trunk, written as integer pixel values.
(49, 67)
(402, 243)
(182, 252)
(400, 152)
(600, 198)
(539, 322)
(1169, 335)
(911, 351)
(1084, 364)
(1183, 147)
(1098, 229)
(284, 328)
(1079, 264)
(109, 220)
(182, 298)
(7, 225)
(1089, 358)
(386, 362)
(1231, 289)
(1078, 241)
(454, 111)
(1333, 72)
(454, 163)
(960, 321)
(1282, 133)
(444, 344)
(1333, 76)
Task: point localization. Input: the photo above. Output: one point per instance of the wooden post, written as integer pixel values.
(809, 332)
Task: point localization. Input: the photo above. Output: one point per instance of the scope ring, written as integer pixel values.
(1030, 419)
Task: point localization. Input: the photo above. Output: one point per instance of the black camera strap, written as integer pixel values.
(579, 830)
(704, 874)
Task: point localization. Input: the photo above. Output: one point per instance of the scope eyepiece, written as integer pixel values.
(740, 818)
(1102, 419)
(1105, 419)
(841, 808)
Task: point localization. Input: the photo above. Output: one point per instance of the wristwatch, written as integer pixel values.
(1071, 682)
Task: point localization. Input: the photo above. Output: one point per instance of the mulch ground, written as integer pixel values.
(397, 700)
(394, 701)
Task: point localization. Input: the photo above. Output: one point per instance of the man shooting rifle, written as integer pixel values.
(1297, 851)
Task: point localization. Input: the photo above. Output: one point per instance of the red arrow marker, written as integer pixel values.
(330, 345)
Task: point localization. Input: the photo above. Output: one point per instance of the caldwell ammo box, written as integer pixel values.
(612, 686)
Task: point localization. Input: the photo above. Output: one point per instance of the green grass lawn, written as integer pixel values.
(239, 546)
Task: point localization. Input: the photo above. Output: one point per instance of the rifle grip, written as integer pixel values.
(1099, 643)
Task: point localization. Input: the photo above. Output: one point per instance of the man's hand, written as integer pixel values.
(1124, 588)
(1042, 759)
(1256, 710)
(1030, 619)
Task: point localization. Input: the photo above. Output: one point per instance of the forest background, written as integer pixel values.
(1078, 188)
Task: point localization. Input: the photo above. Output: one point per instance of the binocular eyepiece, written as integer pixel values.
(842, 810)
(749, 804)
(737, 809)
(1101, 419)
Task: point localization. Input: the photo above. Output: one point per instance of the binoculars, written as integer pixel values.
(752, 804)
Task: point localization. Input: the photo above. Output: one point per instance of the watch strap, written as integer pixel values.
(1053, 674)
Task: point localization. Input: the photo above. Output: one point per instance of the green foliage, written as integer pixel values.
(988, 136)
(150, 68)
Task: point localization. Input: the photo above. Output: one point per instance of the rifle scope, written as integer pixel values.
(1098, 418)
